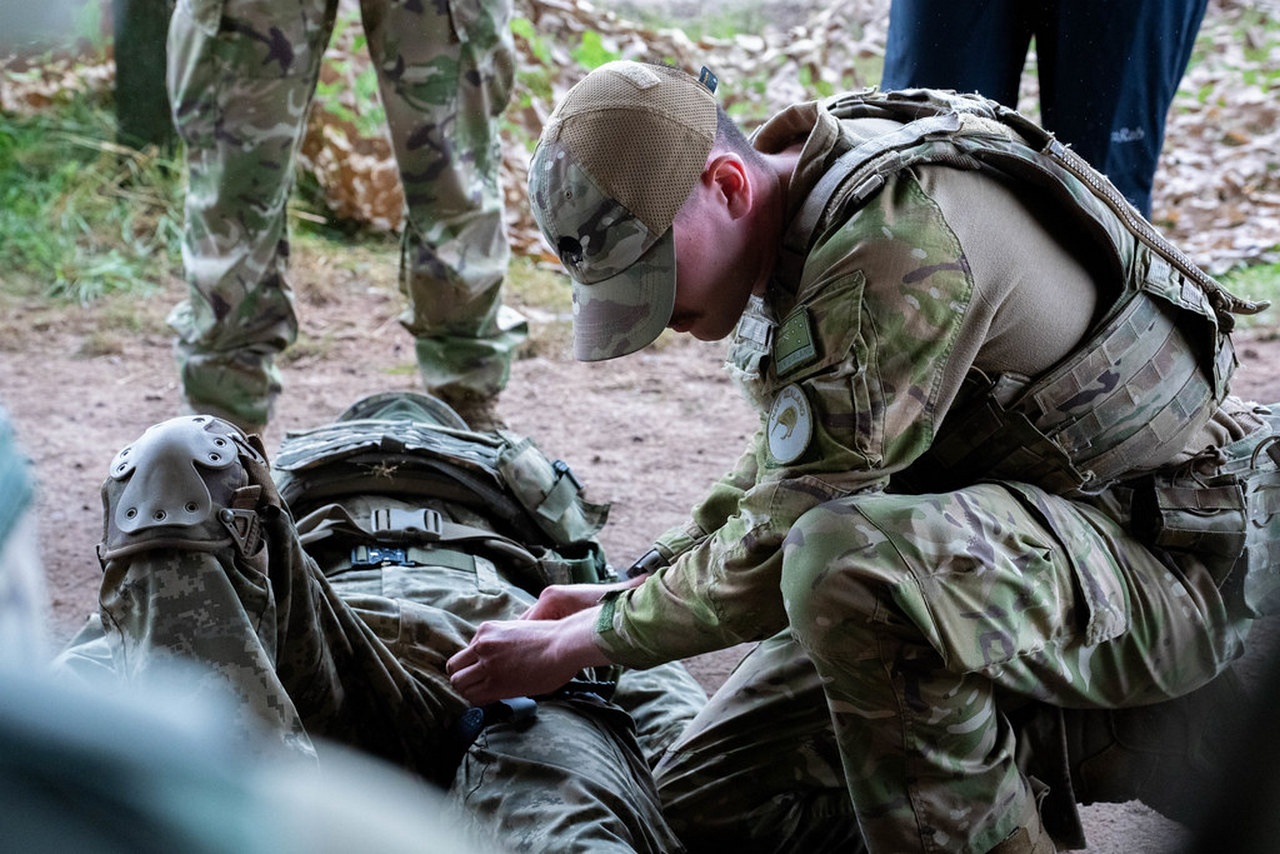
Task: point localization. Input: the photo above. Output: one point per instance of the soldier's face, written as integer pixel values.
(714, 261)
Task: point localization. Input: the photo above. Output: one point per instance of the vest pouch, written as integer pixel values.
(1210, 520)
(579, 563)
(549, 491)
(1228, 517)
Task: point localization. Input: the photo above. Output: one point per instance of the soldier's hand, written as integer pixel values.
(521, 658)
(560, 600)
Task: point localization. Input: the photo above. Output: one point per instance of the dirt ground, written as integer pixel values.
(647, 433)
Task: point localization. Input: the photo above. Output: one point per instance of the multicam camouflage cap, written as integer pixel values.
(617, 160)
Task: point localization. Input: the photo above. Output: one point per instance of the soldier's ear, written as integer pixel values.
(728, 173)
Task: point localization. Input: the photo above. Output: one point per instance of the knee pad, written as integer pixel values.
(185, 483)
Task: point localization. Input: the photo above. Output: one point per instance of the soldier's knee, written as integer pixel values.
(827, 568)
(185, 483)
(842, 567)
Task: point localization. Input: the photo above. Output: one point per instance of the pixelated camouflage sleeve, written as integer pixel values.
(886, 298)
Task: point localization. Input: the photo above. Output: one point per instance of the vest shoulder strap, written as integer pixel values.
(968, 131)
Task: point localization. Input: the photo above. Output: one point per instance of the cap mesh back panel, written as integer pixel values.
(645, 150)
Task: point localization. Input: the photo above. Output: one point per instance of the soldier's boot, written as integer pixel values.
(1166, 755)
(479, 411)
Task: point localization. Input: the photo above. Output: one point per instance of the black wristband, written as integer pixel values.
(648, 563)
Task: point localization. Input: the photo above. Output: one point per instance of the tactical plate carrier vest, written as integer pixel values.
(417, 492)
(1148, 375)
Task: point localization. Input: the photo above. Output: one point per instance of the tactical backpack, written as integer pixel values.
(1153, 368)
(451, 494)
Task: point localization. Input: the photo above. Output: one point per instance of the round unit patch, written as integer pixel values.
(790, 425)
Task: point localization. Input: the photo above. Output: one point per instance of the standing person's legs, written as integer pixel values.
(241, 74)
(978, 46)
(923, 614)
(445, 74)
(1108, 75)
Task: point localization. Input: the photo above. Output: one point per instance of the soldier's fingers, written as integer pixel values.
(473, 686)
(464, 679)
(464, 658)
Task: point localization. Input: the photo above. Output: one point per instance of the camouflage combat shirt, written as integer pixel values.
(853, 359)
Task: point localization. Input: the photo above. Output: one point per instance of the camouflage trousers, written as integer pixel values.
(921, 626)
(358, 659)
(241, 78)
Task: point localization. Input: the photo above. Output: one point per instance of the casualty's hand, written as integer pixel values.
(521, 658)
(560, 600)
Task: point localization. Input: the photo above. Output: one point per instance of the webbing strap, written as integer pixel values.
(425, 526)
(363, 555)
(421, 536)
(883, 151)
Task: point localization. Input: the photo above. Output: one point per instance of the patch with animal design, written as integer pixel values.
(790, 425)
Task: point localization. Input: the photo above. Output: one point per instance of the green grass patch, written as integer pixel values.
(533, 284)
(1258, 282)
(1257, 29)
(82, 217)
(725, 22)
(543, 294)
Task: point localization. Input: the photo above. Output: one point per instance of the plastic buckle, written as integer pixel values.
(562, 468)
(363, 556)
(396, 524)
